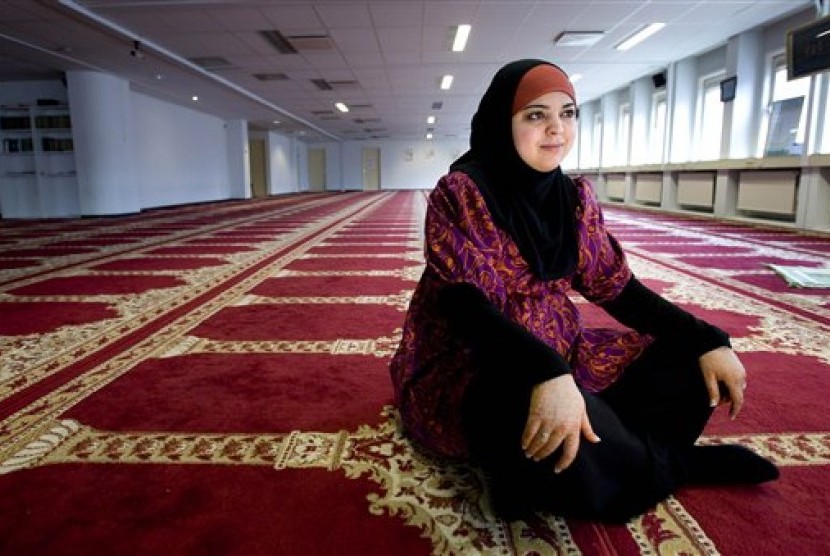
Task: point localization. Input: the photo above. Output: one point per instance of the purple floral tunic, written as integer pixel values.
(431, 371)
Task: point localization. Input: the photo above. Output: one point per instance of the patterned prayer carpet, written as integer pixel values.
(212, 379)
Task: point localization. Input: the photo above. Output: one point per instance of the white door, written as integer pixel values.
(371, 169)
(317, 169)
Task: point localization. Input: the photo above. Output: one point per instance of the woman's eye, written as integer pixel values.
(568, 114)
(536, 116)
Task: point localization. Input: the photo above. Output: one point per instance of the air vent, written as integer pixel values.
(366, 120)
(311, 42)
(322, 112)
(437, 105)
(212, 63)
(271, 76)
(278, 41)
(326, 85)
(322, 84)
(578, 38)
(360, 106)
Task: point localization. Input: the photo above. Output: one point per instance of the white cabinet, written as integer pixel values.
(37, 164)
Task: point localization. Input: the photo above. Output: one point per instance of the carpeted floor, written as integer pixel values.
(212, 379)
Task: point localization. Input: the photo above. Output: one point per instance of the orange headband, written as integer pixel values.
(539, 81)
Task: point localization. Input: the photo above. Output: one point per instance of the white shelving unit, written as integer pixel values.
(37, 163)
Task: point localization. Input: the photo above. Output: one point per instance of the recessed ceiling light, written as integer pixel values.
(462, 33)
(194, 98)
(431, 119)
(578, 38)
(429, 135)
(639, 36)
(446, 82)
(340, 106)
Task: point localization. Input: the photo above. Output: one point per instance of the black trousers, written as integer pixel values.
(656, 409)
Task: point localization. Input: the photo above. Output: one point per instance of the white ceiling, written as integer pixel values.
(384, 58)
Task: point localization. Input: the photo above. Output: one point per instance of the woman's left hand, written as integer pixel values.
(722, 365)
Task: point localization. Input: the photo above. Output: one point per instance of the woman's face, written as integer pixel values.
(544, 130)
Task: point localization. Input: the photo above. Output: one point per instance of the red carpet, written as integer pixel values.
(212, 379)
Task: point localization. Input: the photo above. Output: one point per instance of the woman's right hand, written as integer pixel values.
(557, 417)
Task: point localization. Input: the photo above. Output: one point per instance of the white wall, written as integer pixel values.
(403, 164)
(180, 155)
(417, 164)
(27, 92)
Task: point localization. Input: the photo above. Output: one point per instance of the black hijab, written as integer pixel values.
(537, 209)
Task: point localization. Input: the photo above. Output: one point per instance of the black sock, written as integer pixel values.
(726, 464)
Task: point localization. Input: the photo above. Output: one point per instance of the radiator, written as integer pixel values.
(649, 188)
(772, 191)
(615, 186)
(696, 189)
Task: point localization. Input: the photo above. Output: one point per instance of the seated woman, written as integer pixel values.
(495, 365)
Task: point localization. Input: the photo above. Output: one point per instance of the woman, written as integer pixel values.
(495, 365)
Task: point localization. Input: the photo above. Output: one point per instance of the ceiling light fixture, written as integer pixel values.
(194, 98)
(429, 135)
(446, 82)
(430, 119)
(340, 106)
(574, 77)
(462, 33)
(578, 38)
(639, 36)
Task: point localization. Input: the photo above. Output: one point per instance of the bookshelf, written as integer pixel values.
(37, 162)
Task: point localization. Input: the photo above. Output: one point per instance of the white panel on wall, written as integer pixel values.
(772, 191)
(696, 189)
(649, 188)
(282, 175)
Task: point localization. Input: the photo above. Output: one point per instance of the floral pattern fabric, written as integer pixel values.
(432, 368)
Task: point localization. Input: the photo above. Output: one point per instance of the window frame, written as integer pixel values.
(657, 144)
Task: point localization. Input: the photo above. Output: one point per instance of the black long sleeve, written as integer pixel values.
(647, 312)
(496, 341)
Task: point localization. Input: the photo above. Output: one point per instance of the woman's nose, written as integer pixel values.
(554, 125)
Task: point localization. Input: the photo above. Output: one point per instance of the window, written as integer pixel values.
(710, 121)
(657, 129)
(623, 145)
(784, 125)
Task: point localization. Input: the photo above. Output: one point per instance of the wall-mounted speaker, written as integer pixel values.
(659, 80)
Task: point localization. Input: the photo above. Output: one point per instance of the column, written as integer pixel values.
(100, 107)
